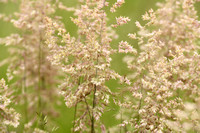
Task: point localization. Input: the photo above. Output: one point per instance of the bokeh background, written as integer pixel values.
(134, 9)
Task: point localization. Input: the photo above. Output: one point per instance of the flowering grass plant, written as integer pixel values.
(48, 63)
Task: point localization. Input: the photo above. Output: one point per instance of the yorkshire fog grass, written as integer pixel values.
(95, 66)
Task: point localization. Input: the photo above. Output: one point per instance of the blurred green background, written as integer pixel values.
(132, 8)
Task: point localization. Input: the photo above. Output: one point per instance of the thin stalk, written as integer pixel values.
(88, 109)
(95, 87)
(178, 92)
(75, 110)
(93, 106)
(121, 113)
(24, 91)
(79, 82)
(39, 74)
(121, 121)
(140, 104)
(39, 82)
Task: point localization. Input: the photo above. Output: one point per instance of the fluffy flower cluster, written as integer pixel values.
(8, 116)
(124, 47)
(85, 60)
(121, 21)
(28, 64)
(167, 70)
(117, 5)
